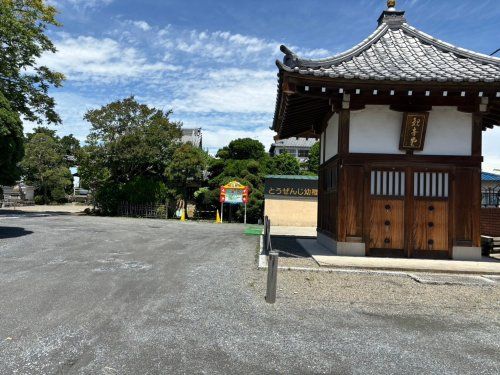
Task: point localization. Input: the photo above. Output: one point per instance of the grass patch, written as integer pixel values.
(253, 231)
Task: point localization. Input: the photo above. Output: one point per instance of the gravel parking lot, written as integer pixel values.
(91, 295)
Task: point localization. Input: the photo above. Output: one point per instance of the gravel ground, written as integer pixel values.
(87, 295)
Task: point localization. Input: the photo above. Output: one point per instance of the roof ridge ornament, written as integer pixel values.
(392, 17)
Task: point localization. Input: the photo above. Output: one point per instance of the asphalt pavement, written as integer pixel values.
(94, 295)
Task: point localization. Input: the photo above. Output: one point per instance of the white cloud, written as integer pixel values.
(143, 25)
(220, 46)
(80, 4)
(220, 81)
(85, 58)
(225, 47)
(227, 90)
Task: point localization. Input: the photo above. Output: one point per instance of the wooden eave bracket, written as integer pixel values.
(346, 101)
(483, 106)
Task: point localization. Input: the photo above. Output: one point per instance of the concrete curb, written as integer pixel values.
(262, 265)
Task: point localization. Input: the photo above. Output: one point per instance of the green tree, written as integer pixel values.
(313, 161)
(70, 147)
(23, 40)
(246, 161)
(128, 142)
(186, 169)
(286, 164)
(243, 149)
(136, 140)
(11, 143)
(42, 130)
(92, 169)
(43, 167)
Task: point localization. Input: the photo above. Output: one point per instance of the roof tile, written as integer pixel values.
(401, 52)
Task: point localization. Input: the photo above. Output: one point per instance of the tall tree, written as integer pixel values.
(43, 166)
(23, 40)
(11, 143)
(136, 139)
(313, 161)
(286, 164)
(70, 148)
(129, 144)
(243, 149)
(244, 160)
(186, 169)
(42, 130)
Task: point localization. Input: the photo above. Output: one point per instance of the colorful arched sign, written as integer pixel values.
(234, 193)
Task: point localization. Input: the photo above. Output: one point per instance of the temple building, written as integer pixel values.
(400, 118)
(295, 146)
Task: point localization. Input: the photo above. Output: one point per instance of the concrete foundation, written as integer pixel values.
(350, 249)
(466, 253)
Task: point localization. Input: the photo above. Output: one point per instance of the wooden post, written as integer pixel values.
(245, 220)
(222, 212)
(265, 235)
(272, 276)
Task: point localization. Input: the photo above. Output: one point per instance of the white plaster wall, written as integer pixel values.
(332, 137)
(449, 132)
(375, 129)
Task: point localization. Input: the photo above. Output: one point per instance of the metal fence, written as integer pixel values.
(490, 197)
(151, 211)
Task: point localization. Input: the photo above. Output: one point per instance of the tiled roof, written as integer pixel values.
(295, 142)
(490, 177)
(398, 52)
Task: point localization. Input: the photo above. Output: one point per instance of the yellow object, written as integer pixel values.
(183, 215)
(217, 218)
(234, 185)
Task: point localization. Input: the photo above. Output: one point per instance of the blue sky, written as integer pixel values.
(212, 61)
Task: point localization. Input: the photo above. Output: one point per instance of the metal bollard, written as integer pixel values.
(272, 276)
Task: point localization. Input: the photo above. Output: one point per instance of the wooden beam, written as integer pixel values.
(344, 129)
(351, 85)
(477, 134)
(410, 108)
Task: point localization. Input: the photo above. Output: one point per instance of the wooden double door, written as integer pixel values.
(409, 213)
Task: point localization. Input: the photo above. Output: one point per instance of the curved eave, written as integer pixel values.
(491, 119)
(350, 53)
(297, 115)
(330, 67)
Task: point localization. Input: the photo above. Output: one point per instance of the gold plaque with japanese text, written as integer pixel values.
(413, 131)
